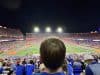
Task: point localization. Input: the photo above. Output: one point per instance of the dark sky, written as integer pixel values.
(74, 15)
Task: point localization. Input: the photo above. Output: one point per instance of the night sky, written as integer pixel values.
(73, 15)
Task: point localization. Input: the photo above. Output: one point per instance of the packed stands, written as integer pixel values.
(10, 34)
(77, 62)
(11, 41)
(84, 39)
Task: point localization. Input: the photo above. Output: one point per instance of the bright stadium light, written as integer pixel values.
(59, 30)
(48, 29)
(36, 29)
(0, 26)
(5, 27)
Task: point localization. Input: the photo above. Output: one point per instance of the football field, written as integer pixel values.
(31, 50)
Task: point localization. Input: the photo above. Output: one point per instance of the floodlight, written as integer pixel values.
(36, 29)
(5, 27)
(59, 30)
(0, 26)
(48, 29)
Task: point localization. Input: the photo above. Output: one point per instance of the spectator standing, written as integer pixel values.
(52, 54)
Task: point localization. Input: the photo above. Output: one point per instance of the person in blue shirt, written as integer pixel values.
(52, 55)
(70, 66)
(93, 69)
(19, 69)
(1, 70)
(77, 67)
(29, 68)
(70, 69)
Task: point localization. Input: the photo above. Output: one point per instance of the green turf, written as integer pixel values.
(35, 50)
(77, 49)
(69, 49)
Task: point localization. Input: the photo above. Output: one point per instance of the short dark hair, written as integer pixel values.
(52, 52)
(31, 62)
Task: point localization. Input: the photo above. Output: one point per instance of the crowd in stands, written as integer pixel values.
(28, 65)
(11, 45)
(85, 35)
(52, 59)
(10, 34)
(85, 38)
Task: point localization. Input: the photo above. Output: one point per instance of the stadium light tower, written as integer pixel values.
(48, 29)
(59, 30)
(36, 29)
